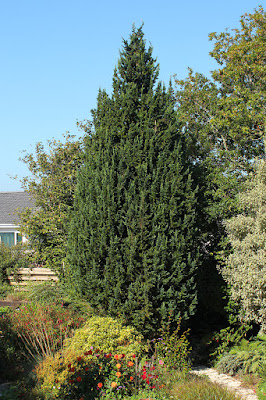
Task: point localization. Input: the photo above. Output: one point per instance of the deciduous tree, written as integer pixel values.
(51, 183)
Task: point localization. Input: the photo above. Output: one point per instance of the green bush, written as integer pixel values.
(104, 333)
(173, 348)
(108, 334)
(247, 358)
(11, 259)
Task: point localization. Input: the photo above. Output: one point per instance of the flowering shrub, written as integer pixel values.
(172, 349)
(99, 332)
(43, 328)
(97, 375)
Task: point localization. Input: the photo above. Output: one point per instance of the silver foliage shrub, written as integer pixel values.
(245, 269)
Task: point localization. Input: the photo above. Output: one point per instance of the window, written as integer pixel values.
(10, 238)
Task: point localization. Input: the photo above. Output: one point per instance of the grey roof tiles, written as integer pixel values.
(9, 203)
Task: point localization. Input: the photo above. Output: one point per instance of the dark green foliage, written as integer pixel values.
(133, 241)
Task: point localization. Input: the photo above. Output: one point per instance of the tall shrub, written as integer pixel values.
(133, 242)
(245, 269)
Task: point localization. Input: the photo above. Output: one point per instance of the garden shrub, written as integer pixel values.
(247, 358)
(104, 333)
(108, 334)
(95, 374)
(11, 259)
(173, 348)
(42, 328)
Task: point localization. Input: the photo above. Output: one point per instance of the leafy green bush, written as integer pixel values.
(173, 348)
(108, 334)
(247, 358)
(104, 333)
(226, 338)
(5, 289)
(11, 259)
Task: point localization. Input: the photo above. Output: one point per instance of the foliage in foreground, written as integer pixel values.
(40, 329)
(200, 389)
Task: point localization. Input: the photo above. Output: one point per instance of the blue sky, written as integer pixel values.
(56, 54)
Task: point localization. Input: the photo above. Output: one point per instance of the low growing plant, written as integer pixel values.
(173, 348)
(249, 357)
(42, 329)
(97, 375)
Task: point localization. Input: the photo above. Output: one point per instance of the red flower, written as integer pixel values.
(79, 358)
(79, 379)
(131, 378)
(86, 368)
(100, 385)
(71, 381)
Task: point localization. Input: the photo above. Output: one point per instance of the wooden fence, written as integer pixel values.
(27, 275)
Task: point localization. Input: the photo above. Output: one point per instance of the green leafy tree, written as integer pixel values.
(224, 117)
(51, 183)
(245, 268)
(223, 120)
(133, 239)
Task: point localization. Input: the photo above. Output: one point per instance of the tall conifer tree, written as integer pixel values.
(132, 245)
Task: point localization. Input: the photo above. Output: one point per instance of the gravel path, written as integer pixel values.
(226, 380)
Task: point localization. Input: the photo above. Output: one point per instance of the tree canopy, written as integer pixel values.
(51, 184)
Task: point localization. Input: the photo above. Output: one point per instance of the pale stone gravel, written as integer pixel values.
(227, 381)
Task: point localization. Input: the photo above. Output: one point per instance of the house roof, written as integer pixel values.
(10, 202)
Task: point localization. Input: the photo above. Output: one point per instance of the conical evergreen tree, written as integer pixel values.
(132, 245)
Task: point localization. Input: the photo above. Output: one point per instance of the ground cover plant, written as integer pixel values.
(249, 357)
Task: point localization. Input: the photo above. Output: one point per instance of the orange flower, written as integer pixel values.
(116, 357)
(82, 398)
(130, 364)
(118, 366)
(131, 378)
(118, 374)
(113, 384)
(100, 385)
